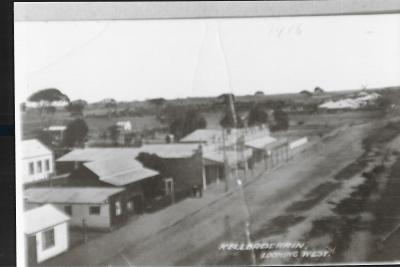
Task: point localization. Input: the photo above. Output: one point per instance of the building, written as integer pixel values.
(204, 136)
(359, 101)
(214, 164)
(181, 163)
(56, 133)
(125, 126)
(261, 147)
(46, 233)
(142, 184)
(243, 147)
(37, 161)
(93, 207)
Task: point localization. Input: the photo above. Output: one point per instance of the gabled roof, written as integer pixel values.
(260, 143)
(94, 154)
(33, 148)
(161, 150)
(41, 218)
(203, 135)
(120, 171)
(111, 167)
(171, 150)
(71, 195)
(231, 156)
(130, 177)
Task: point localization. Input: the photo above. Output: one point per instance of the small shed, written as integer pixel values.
(46, 233)
(92, 207)
(56, 132)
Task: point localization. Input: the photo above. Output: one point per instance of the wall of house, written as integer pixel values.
(122, 217)
(61, 240)
(213, 173)
(37, 175)
(186, 172)
(67, 166)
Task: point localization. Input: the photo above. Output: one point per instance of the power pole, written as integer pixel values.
(226, 164)
(239, 180)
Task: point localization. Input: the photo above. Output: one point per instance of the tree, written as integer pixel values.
(114, 132)
(75, 133)
(187, 123)
(48, 96)
(110, 104)
(158, 102)
(257, 115)
(228, 122)
(306, 93)
(128, 137)
(318, 90)
(281, 120)
(50, 110)
(45, 138)
(45, 98)
(76, 107)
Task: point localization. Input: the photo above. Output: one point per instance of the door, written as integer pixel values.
(169, 188)
(138, 204)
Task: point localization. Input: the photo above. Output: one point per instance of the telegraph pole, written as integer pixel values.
(239, 180)
(226, 164)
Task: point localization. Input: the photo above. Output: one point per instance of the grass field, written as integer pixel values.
(31, 122)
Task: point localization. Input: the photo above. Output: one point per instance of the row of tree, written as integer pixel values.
(181, 120)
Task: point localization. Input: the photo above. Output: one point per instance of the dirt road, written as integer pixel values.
(195, 240)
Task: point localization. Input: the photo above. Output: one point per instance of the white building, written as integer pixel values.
(56, 132)
(46, 233)
(92, 207)
(125, 125)
(37, 161)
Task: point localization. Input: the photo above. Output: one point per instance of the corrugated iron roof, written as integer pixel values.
(114, 166)
(260, 143)
(94, 154)
(161, 150)
(71, 195)
(232, 156)
(171, 150)
(203, 135)
(120, 171)
(33, 148)
(130, 177)
(42, 218)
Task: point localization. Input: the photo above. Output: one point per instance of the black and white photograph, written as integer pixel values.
(198, 134)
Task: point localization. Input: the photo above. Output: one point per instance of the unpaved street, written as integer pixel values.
(196, 239)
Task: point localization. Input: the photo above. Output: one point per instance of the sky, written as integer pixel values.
(142, 59)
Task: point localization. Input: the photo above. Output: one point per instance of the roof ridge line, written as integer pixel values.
(124, 172)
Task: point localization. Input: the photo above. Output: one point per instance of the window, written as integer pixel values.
(129, 205)
(48, 239)
(118, 210)
(39, 166)
(31, 168)
(94, 210)
(68, 210)
(47, 165)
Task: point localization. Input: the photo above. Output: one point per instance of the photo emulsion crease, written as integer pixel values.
(211, 140)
